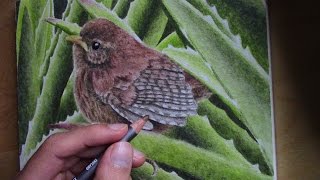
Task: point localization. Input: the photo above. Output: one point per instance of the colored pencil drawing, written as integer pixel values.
(218, 48)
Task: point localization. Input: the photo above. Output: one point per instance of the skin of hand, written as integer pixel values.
(64, 155)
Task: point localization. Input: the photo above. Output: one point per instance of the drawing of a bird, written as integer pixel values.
(118, 79)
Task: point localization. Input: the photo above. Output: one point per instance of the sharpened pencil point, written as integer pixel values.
(146, 118)
(138, 124)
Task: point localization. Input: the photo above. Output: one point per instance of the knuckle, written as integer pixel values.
(97, 129)
(93, 127)
(52, 140)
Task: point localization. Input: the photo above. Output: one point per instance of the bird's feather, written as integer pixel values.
(159, 92)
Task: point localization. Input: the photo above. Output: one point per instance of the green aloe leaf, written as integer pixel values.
(97, 10)
(156, 27)
(172, 39)
(75, 118)
(199, 132)
(221, 23)
(53, 85)
(192, 62)
(67, 27)
(32, 54)
(241, 76)
(67, 102)
(106, 3)
(220, 121)
(66, 12)
(43, 30)
(21, 26)
(35, 10)
(121, 8)
(26, 97)
(148, 20)
(54, 40)
(45, 64)
(146, 170)
(205, 9)
(248, 19)
(138, 15)
(192, 160)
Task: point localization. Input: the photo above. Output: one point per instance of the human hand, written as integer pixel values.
(64, 155)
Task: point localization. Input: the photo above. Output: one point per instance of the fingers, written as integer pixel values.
(138, 158)
(116, 163)
(137, 161)
(80, 139)
(61, 150)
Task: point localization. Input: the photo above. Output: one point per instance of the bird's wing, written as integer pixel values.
(120, 95)
(161, 93)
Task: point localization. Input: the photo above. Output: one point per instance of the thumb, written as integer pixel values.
(116, 162)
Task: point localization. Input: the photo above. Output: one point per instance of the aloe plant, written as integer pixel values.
(232, 64)
(33, 48)
(231, 138)
(250, 25)
(55, 81)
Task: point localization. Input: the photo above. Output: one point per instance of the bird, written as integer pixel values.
(118, 79)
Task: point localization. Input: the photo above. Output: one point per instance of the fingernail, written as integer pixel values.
(121, 155)
(117, 126)
(137, 154)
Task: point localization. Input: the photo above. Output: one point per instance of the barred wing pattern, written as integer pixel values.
(162, 94)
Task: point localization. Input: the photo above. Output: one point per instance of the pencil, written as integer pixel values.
(133, 131)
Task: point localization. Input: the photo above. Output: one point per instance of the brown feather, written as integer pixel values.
(116, 81)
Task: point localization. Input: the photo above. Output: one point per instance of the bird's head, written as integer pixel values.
(97, 43)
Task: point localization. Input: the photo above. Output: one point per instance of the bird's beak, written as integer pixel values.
(77, 40)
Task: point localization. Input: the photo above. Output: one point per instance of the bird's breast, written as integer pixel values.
(88, 102)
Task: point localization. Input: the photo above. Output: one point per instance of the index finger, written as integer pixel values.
(72, 142)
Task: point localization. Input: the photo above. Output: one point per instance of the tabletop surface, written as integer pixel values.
(294, 32)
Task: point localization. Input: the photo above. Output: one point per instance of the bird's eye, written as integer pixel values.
(95, 45)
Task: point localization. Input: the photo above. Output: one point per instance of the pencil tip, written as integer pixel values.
(146, 118)
(138, 125)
